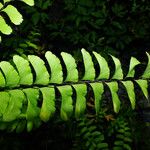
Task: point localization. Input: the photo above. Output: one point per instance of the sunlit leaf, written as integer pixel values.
(55, 67)
(98, 90)
(5, 1)
(42, 75)
(4, 101)
(143, 84)
(14, 105)
(24, 70)
(130, 90)
(113, 86)
(4, 28)
(11, 75)
(88, 65)
(29, 2)
(146, 73)
(1, 5)
(13, 14)
(80, 106)
(104, 68)
(48, 103)
(32, 96)
(118, 74)
(133, 62)
(2, 80)
(72, 73)
(66, 101)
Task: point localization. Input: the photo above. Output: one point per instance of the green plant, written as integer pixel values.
(103, 132)
(89, 137)
(13, 14)
(29, 88)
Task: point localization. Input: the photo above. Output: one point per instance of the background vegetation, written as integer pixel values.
(121, 28)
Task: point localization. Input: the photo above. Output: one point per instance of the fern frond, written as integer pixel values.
(29, 81)
(89, 136)
(123, 138)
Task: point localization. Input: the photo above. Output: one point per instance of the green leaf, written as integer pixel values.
(6, 1)
(2, 80)
(4, 101)
(88, 65)
(24, 70)
(113, 86)
(55, 67)
(143, 84)
(1, 5)
(42, 75)
(118, 70)
(133, 62)
(104, 68)
(4, 28)
(29, 2)
(14, 105)
(48, 104)
(66, 101)
(146, 73)
(32, 96)
(11, 75)
(130, 90)
(80, 106)
(98, 90)
(13, 14)
(72, 72)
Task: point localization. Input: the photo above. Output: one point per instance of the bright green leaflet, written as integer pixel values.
(88, 65)
(4, 100)
(113, 86)
(80, 107)
(32, 96)
(55, 67)
(13, 14)
(42, 75)
(66, 101)
(2, 80)
(4, 28)
(29, 2)
(143, 84)
(72, 73)
(146, 73)
(11, 75)
(48, 105)
(133, 62)
(5, 1)
(24, 70)
(1, 5)
(104, 68)
(14, 105)
(130, 90)
(98, 90)
(118, 70)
